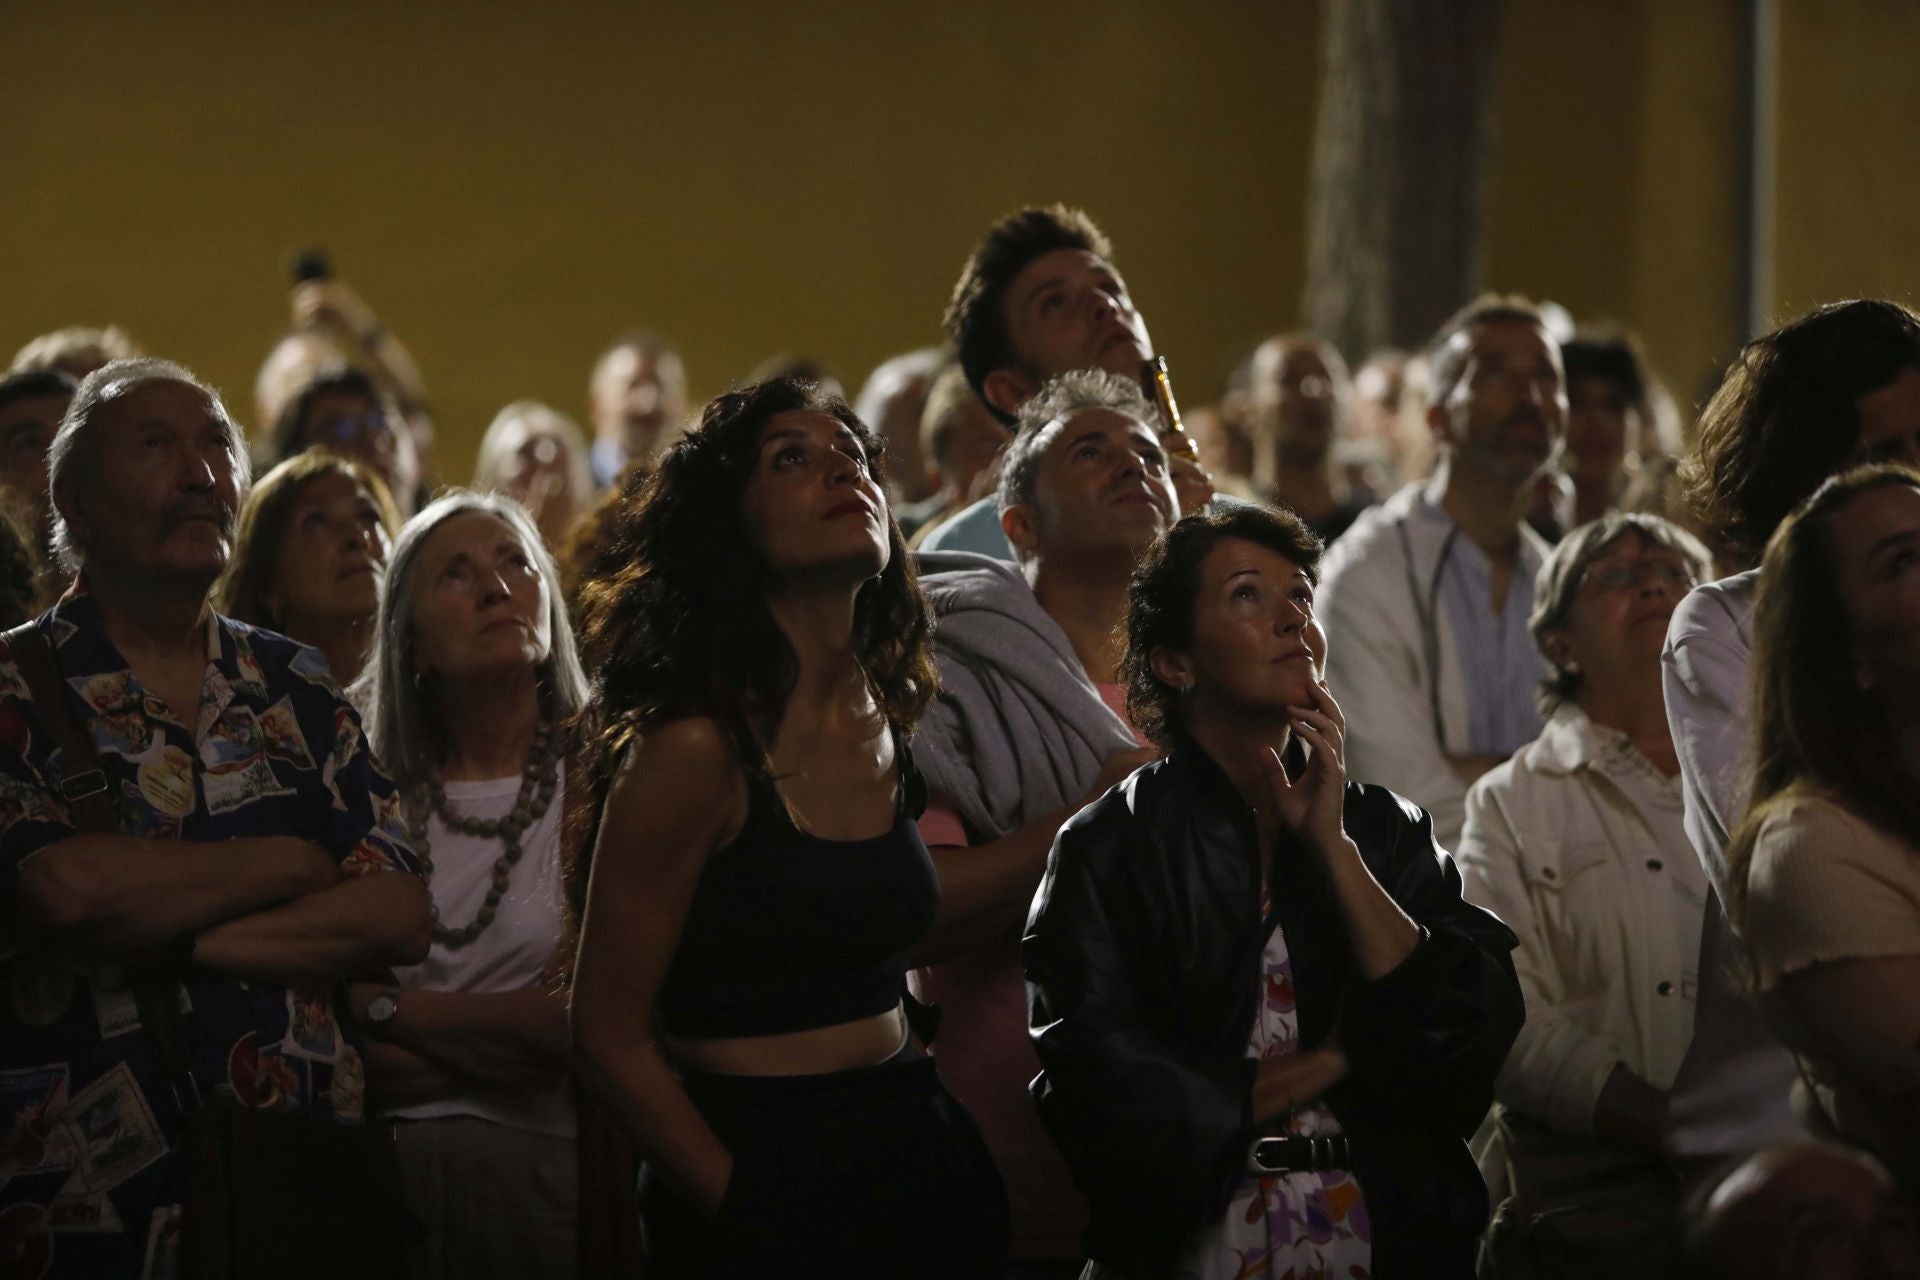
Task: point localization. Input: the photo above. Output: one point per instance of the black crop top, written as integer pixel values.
(788, 931)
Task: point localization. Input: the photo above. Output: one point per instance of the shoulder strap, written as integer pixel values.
(82, 782)
(912, 791)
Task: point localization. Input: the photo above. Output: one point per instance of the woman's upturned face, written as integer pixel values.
(480, 608)
(812, 502)
(1621, 605)
(1875, 545)
(332, 557)
(1257, 647)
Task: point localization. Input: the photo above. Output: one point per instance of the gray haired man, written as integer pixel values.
(248, 845)
(1029, 726)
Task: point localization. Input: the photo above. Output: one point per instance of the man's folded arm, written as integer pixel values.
(361, 925)
(127, 893)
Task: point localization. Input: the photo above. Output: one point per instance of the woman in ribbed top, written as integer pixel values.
(756, 884)
(1824, 873)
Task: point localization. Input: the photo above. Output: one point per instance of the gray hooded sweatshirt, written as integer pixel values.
(1018, 729)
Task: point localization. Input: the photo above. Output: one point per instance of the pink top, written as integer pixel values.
(986, 1060)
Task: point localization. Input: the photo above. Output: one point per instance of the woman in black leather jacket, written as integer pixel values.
(1238, 943)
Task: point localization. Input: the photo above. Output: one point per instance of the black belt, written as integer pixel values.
(1298, 1155)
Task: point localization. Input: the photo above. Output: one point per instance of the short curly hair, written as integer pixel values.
(1161, 596)
(976, 316)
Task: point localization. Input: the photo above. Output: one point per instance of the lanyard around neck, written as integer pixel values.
(1425, 607)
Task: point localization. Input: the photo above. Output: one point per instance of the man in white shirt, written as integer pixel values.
(1426, 598)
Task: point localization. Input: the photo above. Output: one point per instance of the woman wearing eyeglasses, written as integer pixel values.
(1577, 843)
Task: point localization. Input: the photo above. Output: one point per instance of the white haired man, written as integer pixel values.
(226, 847)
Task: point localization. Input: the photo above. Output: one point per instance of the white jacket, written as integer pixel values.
(1370, 605)
(1577, 843)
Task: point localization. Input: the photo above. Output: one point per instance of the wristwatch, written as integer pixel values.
(380, 1011)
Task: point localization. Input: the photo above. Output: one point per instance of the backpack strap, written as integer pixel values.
(84, 786)
(82, 782)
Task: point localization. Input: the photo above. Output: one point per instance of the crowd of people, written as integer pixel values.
(1449, 818)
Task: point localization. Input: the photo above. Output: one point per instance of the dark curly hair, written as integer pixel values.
(681, 626)
(1165, 584)
(1784, 419)
(976, 316)
(590, 551)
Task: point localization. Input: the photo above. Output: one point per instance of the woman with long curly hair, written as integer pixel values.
(1824, 873)
(756, 887)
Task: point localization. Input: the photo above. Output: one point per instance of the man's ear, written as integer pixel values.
(1017, 523)
(67, 506)
(1170, 668)
(1438, 425)
(1007, 389)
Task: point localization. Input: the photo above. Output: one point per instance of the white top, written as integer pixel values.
(1577, 844)
(1709, 650)
(1370, 603)
(511, 954)
(1734, 1091)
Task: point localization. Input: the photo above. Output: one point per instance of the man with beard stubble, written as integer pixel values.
(1426, 597)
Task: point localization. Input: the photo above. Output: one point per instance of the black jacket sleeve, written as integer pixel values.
(1430, 1036)
(1155, 1132)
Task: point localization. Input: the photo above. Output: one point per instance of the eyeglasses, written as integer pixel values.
(347, 428)
(1616, 577)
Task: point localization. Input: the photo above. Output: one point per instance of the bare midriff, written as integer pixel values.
(864, 1042)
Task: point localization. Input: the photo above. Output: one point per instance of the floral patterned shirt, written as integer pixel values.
(1292, 1226)
(88, 1182)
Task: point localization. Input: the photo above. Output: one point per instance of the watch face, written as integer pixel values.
(380, 1009)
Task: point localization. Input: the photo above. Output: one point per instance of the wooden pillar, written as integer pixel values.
(1394, 208)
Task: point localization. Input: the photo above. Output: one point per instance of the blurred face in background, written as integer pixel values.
(637, 396)
(971, 439)
(361, 427)
(538, 470)
(1603, 426)
(1299, 396)
(27, 427)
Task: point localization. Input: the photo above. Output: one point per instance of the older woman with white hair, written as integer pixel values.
(1577, 843)
(538, 457)
(473, 673)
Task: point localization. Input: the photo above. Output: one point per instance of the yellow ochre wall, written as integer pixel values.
(511, 185)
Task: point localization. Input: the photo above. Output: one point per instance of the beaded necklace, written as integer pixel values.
(538, 781)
